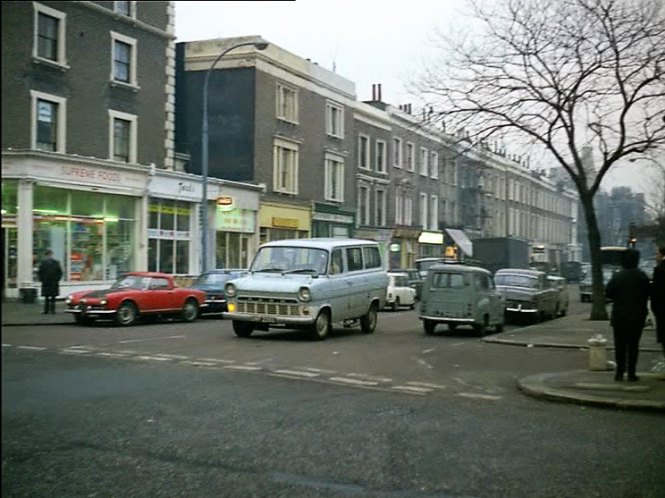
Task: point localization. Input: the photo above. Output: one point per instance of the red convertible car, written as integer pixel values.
(136, 294)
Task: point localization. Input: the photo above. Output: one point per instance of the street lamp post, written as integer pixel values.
(204, 151)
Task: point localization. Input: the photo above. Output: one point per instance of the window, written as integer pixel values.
(423, 211)
(125, 8)
(169, 236)
(287, 103)
(397, 152)
(334, 182)
(49, 34)
(48, 122)
(363, 205)
(334, 120)
(354, 257)
(381, 156)
(424, 163)
(434, 212)
(363, 151)
(123, 59)
(381, 207)
(410, 157)
(336, 262)
(408, 210)
(285, 167)
(399, 208)
(434, 165)
(372, 257)
(122, 142)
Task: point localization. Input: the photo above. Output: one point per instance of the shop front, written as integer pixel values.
(403, 247)
(331, 221)
(280, 221)
(88, 212)
(430, 245)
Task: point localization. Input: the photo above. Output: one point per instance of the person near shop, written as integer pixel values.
(658, 296)
(49, 274)
(629, 291)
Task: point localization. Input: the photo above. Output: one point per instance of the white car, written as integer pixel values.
(399, 292)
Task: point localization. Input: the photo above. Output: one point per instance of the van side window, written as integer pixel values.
(457, 281)
(482, 282)
(354, 258)
(336, 262)
(372, 257)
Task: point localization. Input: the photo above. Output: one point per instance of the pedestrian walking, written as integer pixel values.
(629, 291)
(49, 274)
(658, 296)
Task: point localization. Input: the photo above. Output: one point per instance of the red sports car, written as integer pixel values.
(136, 294)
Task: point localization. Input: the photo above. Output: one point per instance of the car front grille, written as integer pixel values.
(269, 306)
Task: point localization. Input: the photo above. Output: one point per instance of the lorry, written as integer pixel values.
(494, 253)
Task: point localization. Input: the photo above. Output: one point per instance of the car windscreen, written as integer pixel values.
(289, 259)
(131, 282)
(515, 280)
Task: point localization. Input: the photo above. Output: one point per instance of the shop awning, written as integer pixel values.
(462, 241)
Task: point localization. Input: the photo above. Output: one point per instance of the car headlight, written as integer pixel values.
(304, 294)
(68, 300)
(230, 290)
(103, 302)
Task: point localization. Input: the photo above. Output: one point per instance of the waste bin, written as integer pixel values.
(28, 295)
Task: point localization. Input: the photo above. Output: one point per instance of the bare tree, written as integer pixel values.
(565, 74)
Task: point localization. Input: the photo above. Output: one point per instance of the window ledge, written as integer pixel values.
(128, 86)
(288, 121)
(50, 63)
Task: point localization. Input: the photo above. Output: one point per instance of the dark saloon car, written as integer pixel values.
(212, 283)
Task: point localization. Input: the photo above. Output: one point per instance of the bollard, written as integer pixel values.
(597, 353)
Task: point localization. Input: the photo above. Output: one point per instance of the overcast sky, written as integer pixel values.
(366, 41)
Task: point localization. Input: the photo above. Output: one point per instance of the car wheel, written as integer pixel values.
(368, 321)
(429, 326)
(190, 310)
(564, 312)
(481, 328)
(242, 329)
(321, 326)
(452, 327)
(498, 328)
(126, 314)
(396, 304)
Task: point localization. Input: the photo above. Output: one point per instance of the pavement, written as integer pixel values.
(585, 386)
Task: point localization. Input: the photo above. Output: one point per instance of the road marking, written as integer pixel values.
(111, 355)
(153, 358)
(319, 370)
(426, 384)
(428, 350)
(216, 360)
(75, 351)
(370, 377)
(248, 368)
(413, 389)
(297, 373)
(6, 345)
(173, 356)
(31, 348)
(200, 363)
(479, 396)
(127, 351)
(346, 380)
(152, 339)
(82, 347)
(423, 362)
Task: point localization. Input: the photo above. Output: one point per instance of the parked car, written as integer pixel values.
(399, 292)
(456, 294)
(563, 296)
(414, 279)
(586, 288)
(212, 283)
(527, 293)
(311, 284)
(133, 295)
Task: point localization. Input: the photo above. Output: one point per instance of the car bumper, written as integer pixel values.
(520, 309)
(271, 319)
(447, 319)
(90, 312)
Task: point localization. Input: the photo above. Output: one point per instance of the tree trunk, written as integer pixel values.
(598, 306)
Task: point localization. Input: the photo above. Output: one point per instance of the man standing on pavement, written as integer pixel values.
(49, 274)
(658, 295)
(629, 291)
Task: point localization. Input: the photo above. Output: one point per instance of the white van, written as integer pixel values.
(309, 283)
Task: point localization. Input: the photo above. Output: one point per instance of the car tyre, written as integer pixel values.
(429, 326)
(242, 329)
(498, 328)
(452, 327)
(396, 304)
(481, 328)
(368, 321)
(190, 311)
(126, 314)
(321, 327)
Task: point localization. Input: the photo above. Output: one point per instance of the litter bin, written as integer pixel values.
(28, 295)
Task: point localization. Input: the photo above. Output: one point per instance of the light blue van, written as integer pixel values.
(311, 284)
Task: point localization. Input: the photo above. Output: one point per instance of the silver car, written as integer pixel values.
(309, 283)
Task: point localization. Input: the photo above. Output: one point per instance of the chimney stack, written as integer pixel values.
(379, 92)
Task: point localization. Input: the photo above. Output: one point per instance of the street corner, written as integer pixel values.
(597, 389)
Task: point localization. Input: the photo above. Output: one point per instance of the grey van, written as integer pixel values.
(457, 294)
(309, 283)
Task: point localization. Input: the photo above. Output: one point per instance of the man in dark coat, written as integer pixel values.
(629, 291)
(49, 274)
(658, 296)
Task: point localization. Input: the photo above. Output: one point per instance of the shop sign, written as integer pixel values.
(284, 222)
(225, 203)
(235, 220)
(430, 238)
(394, 247)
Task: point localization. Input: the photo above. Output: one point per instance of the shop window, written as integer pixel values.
(9, 197)
(169, 236)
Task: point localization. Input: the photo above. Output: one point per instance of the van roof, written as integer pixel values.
(319, 242)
